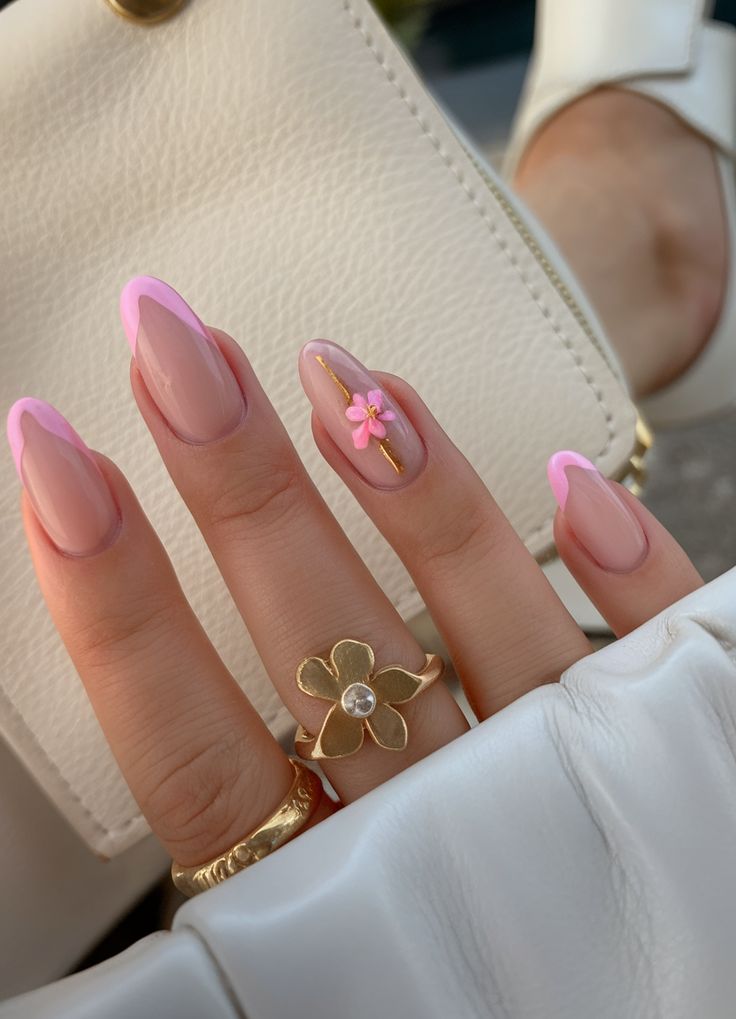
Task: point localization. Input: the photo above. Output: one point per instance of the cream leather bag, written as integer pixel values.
(280, 164)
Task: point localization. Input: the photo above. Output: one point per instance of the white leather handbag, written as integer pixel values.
(571, 857)
(280, 163)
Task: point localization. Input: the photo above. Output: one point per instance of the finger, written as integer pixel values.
(504, 626)
(199, 760)
(627, 563)
(296, 579)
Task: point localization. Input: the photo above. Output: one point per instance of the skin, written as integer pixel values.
(198, 758)
(632, 197)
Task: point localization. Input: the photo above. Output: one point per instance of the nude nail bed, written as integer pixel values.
(69, 494)
(597, 515)
(184, 370)
(361, 417)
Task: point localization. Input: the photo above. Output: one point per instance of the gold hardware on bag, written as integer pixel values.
(634, 475)
(146, 12)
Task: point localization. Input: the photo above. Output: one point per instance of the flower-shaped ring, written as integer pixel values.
(362, 699)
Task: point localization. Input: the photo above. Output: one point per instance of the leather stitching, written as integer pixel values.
(96, 823)
(110, 833)
(413, 108)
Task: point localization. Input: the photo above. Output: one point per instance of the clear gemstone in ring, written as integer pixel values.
(359, 701)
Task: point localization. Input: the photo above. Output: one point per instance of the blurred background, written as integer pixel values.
(473, 55)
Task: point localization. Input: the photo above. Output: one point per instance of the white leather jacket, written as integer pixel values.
(573, 856)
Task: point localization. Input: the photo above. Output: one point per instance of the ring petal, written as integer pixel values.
(388, 728)
(314, 678)
(340, 734)
(352, 661)
(393, 685)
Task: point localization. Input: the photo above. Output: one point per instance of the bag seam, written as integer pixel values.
(16, 713)
(412, 106)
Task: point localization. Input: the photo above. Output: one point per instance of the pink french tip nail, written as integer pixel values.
(556, 472)
(160, 292)
(66, 487)
(361, 418)
(597, 515)
(183, 368)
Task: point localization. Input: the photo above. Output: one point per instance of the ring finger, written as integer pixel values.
(296, 579)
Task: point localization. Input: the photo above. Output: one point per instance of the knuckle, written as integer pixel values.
(259, 495)
(127, 629)
(197, 799)
(464, 535)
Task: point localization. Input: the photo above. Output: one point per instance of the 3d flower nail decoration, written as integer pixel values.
(362, 699)
(368, 410)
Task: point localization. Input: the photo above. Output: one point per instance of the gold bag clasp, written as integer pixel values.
(146, 12)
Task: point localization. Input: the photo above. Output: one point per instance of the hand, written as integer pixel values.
(199, 759)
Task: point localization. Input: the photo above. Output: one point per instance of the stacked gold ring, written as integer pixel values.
(289, 818)
(363, 702)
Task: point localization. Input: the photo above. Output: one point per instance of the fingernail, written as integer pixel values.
(68, 491)
(600, 520)
(360, 416)
(184, 371)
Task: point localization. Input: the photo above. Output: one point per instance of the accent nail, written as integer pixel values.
(66, 487)
(361, 418)
(599, 518)
(182, 366)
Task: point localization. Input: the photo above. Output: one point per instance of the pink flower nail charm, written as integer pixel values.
(368, 410)
(356, 413)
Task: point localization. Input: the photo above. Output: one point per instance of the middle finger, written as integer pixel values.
(505, 628)
(298, 583)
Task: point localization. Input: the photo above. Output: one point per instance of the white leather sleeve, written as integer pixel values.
(572, 857)
(164, 976)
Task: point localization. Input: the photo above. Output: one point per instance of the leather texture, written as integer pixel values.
(666, 51)
(57, 899)
(282, 166)
(570, 857)
(582, 44)
(161, 977)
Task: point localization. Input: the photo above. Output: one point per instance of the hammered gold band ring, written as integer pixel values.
(289, 818)
(362, 700)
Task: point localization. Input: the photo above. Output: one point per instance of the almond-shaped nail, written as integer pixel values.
(66, 487)
(360, 417)
(597, 515)
(184, 371)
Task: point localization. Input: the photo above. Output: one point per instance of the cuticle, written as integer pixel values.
(244, 414)
(622, 573)
(107, 543)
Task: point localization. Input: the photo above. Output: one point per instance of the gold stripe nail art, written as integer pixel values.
(384, 445)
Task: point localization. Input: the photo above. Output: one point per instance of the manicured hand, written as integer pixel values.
(199, 759)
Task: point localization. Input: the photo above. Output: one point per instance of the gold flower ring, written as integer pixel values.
(362, 699)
